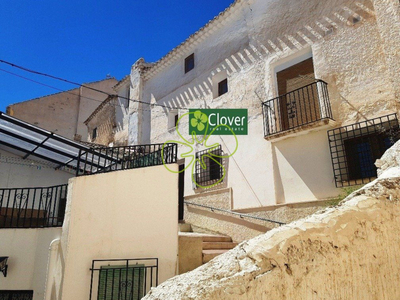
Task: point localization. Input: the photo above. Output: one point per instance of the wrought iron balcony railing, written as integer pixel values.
(123, 278)
(33, 207)
(298, 108)
(109, 159)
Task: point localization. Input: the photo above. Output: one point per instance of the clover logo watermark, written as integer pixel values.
(200, 122)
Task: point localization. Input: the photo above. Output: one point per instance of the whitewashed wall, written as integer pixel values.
(16, 172)
(28, 251)
(125, 214)
(249, 43)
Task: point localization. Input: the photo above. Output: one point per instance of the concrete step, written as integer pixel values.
(216, 238)
(218, 245)
(210, 254)
(185, 227)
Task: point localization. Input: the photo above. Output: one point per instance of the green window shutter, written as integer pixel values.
(120, 282)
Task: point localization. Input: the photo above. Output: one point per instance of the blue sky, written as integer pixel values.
(83, 41)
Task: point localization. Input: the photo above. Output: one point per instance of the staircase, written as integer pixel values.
(214, 245)
(209, 244)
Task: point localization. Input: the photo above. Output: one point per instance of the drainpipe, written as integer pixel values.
(53, 250)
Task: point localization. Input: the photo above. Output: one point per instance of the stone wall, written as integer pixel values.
(64, 113)
(345, 252)
(103, 120)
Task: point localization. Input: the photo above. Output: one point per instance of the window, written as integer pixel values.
(128, 91)
(94, 134)
(20, 295)
(223, 87)
(173, 117)
(213, 170)
(355, 148)
(189, 63)
(219, 83)
(120, 282)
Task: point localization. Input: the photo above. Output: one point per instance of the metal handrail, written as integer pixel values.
(241, 215)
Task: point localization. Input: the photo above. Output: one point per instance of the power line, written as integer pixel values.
(82, 85)
(49, 86)
(68, 92)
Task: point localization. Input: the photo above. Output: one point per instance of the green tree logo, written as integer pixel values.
(199, 120)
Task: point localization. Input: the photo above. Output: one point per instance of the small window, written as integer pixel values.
(127, 100)
(189, 63)
(120, 282)
(24, 295)
(213, 171)
(94, 134)
(173, 117)
(223, 87)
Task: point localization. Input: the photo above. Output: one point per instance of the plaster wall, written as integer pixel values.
(249, 44)
(16, 172)
(119, 215)
(28, 251)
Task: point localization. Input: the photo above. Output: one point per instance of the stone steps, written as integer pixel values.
(214, 245)
(210, 254)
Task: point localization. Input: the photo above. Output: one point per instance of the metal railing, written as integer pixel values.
(300, 107)
(241, 215)
(355, 148)
(109, 159)
(33, 207)
(123, 278)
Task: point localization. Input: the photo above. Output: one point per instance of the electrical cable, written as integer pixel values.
(82, 85)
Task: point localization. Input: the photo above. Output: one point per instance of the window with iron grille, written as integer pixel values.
(16, 295)
(355, 148)
(212, 171)
(123, 279)
(120, 282)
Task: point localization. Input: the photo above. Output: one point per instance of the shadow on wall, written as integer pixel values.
(306, 35)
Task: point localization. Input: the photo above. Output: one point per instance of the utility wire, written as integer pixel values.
(82, 85)
(68, 92)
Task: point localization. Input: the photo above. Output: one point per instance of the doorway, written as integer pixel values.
(181, 193)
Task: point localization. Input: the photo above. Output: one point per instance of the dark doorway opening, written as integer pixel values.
(181, 192)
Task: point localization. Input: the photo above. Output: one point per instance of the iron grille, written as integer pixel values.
(33, 207)
(355, 148)
(208, 166)
(124, 279)
(16, 295)
(109, 159)
(300, 107)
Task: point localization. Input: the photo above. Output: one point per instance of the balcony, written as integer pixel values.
(33, 207)
(302, 109)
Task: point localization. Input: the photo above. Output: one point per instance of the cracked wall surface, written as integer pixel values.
(344, 252)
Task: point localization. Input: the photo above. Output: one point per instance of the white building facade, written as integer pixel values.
(301, 68)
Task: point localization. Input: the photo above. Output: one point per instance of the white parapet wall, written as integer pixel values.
(28, 251)
(118, 215)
